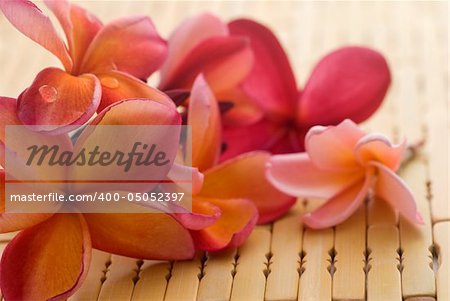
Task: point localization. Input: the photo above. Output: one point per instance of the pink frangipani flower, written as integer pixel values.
(343, 164)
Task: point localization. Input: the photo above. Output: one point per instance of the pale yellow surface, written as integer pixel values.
(413, 36)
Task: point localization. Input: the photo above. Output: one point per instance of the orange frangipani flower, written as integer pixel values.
(203, 45)
(112, 57)
(50, 256)
(343, 164)
(232, 217)
(236, 190)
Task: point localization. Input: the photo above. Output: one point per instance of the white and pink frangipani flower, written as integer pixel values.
(343, 164)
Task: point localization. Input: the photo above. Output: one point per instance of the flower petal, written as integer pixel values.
(49, 260)
(138, 112)
(162, 130)
(146, 236)
(243, 177)
(16, 146)
(57, 101)
(180, 172)
(10, 222)
(392, 189)
(203, 215)
(293, 141)
(348, 83)
(376, 147)
(271, 82)
(79, 25)
(262, 135)
(332, 148)
(242, 111)
(186, 36)
(224, 61)
(8, 107)
(17, 149)
(237, 220)
(29, 19)
(117, 86)
(339, 207)
(129, 44)
(204, 119)
(296, 175)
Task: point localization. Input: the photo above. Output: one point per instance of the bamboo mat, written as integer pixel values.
(373, 255)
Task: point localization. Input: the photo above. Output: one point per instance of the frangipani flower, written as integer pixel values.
(347, 83)
(96, 57)
(205, 45)
(342, 164)
(234, 217)
(236, 190)
(50, 257)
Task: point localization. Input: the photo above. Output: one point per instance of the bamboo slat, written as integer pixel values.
(152, 281)
(410, 109)
(315, 278)
(119, 282)
(438, 161)
(282, 281)
(349, 279)
(438, 130)
(383, 276)
(249, 281)
(421, 298)
(218, 276)
(417, 275)
(184, 280)
(442, 241)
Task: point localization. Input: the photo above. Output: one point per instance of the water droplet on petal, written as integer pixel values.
(110, 82)
(48, 93)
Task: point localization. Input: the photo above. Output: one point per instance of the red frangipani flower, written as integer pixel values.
(245, 64)
(204, 45)
(348, 83)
